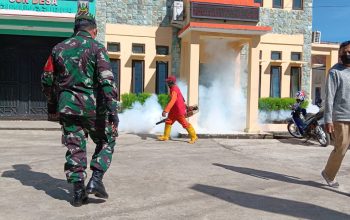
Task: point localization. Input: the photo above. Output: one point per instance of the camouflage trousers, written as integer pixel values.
(75, 132)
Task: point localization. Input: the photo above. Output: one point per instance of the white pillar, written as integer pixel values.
(190, 69)
(253, 86)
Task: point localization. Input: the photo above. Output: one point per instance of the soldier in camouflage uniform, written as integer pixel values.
(80, 87)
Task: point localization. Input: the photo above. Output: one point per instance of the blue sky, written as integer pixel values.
(331, 20)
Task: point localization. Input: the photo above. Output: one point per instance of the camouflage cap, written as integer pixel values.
(85, 16)
(84, 21)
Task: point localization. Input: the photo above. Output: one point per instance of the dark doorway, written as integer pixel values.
(115, 65)
(275, 82)
(138, 76)
(161, 75)
(21, 63)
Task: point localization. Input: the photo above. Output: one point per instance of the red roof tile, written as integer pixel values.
(225, 26)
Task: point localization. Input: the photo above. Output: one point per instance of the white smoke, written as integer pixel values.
(222, 97)
(269, 116)
(222, 93)
(282, 115)
(312, 108)
(142, 119)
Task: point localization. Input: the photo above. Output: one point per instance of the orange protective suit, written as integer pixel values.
(176, 108)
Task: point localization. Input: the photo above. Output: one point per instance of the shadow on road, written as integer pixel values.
(279, 177)
(302, 142)
(55, 188)
(270, 204)
(146, 136)
(155, 137)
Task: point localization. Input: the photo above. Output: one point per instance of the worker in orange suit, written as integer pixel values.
(176, 110)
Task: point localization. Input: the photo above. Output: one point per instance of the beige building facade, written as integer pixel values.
(145, 40)
(277, 62)
(271, 40)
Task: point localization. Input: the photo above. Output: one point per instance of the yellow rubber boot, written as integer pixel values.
(166, 135)
(192, 134)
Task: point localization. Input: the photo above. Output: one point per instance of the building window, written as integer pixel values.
(161, 75)
(162, 50)
(138, 48)
(260, 54)
(115, 65)
(295, 56)
(298, 4)
(276, 55)
(277, 4)
(295, 76)
(260, 71)
(113, 47)
(275, 82)
(138, 73)
(260, 2)
(318, 95)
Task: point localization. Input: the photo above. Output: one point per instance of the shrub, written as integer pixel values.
(128, 99)
(276, 104)
(163, 100)
(142, 97)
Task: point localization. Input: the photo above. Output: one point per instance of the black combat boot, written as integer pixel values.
(80, 195)
(95, 185)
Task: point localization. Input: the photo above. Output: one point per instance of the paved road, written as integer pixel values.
(213, 179)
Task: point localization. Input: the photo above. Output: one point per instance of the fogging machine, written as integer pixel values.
(190, 111)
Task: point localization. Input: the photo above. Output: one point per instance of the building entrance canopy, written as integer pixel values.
(224, 28)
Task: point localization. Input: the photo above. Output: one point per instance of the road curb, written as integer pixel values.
(33, 129)
(272, 135)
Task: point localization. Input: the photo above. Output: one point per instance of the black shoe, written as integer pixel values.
(80, 195)
(95, 185)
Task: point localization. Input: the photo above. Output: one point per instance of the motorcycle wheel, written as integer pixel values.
(322, 137)
(294, 130)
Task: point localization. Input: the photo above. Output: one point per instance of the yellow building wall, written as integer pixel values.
(286, 44)
(151, 37)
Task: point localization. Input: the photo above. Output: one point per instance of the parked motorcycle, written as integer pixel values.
(311, 128)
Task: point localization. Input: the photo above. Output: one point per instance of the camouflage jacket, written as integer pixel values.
(78, 77)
